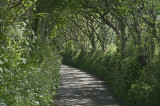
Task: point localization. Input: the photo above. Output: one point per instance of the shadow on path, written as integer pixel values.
(78, 88)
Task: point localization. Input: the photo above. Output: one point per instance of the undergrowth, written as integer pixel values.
(29, 73)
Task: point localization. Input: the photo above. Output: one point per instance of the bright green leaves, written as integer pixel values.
(54, 32)
(1, 62)
(41, 15)
(24, 80)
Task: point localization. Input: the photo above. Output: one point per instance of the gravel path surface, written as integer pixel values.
(79, 88)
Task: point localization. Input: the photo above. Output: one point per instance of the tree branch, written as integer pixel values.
(109, 23)
(20, 1)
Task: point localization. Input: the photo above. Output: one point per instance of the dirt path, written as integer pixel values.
(78, 88)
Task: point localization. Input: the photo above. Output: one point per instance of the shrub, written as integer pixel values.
(28, 75)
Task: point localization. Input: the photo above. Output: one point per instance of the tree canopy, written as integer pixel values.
(119, 38)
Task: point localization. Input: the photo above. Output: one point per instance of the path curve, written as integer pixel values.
(79, 88)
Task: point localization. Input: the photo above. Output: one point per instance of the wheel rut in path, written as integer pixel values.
(79, 88)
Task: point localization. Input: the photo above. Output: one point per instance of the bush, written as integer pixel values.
(28, 75)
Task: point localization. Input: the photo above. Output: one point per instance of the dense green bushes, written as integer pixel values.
(29, 73)
(29, 66)
(31, 30)
(136, 85)
(28, 77)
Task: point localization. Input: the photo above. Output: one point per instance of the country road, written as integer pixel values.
(79, 88)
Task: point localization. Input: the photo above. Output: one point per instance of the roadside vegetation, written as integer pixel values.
(29, 64)
(118, 40)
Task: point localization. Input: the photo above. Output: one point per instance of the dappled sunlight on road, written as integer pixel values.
(78, 88)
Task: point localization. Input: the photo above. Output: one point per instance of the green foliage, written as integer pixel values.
(117, 40)
(126, 34)
(28, 76)
(29, 69)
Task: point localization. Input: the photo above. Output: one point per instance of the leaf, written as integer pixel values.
(1, 62)
(3, 104)
(1, 70)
